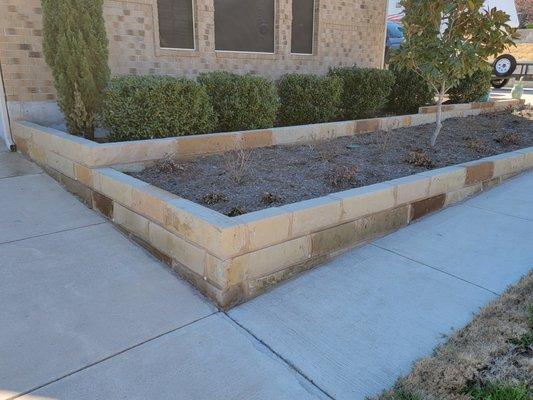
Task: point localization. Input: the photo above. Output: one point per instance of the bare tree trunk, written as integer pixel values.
(442, 92)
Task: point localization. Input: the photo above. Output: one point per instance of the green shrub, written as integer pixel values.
(146, 107)
(308, 99)
(409, 92)
(241, 102)
(365, 91)
(75, 48)
(472, 88)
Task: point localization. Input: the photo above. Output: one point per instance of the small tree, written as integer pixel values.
(446, 40)
(75, 48)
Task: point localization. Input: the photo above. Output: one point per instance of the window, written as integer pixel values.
(244, 25)
(303, 15)
(176, 24)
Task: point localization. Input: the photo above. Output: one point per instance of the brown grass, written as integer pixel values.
(484, 351)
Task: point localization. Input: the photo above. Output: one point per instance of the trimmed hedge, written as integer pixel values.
(409, 92)
(147, 107)
(472, 88)
(365, 91)
(241, 102)
(308, 99)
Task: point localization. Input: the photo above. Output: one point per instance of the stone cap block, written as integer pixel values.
(359, 202)
(295, 134)
(478, 171)
(311, 215)
(507, 163)
(106, 154)
(266, 227)
(116, 185)
(151, 201)
(528, 161)
(207, 144)
(444, 180)
(410, 188)
(222, 236)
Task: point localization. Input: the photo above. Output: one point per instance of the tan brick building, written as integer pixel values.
(344, 32)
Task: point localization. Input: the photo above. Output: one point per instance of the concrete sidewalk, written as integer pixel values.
(86, 314)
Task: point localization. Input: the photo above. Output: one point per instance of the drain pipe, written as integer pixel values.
(5, 126)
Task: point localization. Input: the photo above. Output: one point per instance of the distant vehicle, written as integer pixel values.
(395, 36)
(506, 67)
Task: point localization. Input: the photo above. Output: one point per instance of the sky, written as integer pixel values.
(506, 5)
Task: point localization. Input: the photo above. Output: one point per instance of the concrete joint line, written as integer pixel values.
(53, 233)
(498, 212)
(21, 175)
(436, 269)
(109, 357)
(283, 359)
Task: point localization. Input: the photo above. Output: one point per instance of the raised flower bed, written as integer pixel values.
(234, 259)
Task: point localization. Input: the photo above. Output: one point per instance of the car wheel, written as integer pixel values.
(504, 65)
(499, 83)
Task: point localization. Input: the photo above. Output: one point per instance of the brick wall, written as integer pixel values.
(347, 32)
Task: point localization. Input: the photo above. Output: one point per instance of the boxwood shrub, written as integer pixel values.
(409, 92)
(365, 91)
(308, 99)
(241, 102)
(147, 107)
(471, 88)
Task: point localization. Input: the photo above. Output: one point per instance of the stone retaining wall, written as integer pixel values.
(91, 154)
(234, 259)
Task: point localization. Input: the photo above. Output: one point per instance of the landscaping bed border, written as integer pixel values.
(234, 259)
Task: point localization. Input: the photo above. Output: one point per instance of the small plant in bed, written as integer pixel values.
(342, 177)
(271, 198)
(509, 139)
(420, 158)
(478, 146)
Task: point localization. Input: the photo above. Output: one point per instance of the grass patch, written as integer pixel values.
(499, 391)
(490, 359)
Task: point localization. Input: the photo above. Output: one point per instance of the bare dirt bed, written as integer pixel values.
(495, 348)
(244, 181)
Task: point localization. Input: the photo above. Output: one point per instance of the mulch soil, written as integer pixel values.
(243, 181)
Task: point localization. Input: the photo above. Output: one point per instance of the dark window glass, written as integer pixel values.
(176, 26)
(302, 26)
(244, 25)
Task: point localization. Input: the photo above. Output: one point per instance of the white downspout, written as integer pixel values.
(384, 52)
(5, 126)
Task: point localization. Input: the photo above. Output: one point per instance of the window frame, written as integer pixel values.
(194, 28)
(315, 27)
(275, 38)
